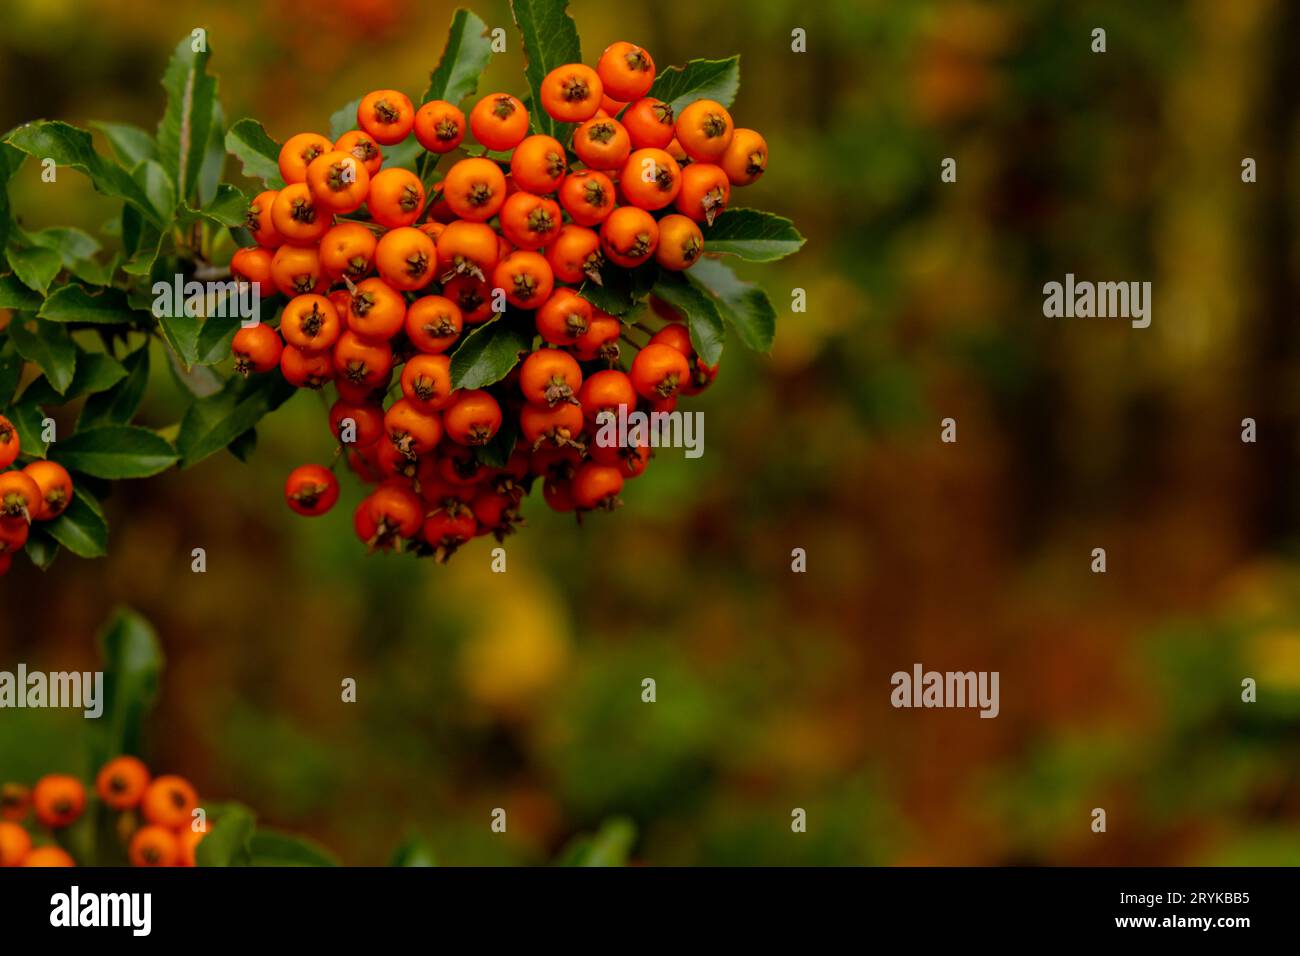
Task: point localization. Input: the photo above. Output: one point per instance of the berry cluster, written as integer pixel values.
(39, 492)
(524, 223)
(168, 836)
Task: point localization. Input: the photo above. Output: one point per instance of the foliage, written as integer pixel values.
(83, 312)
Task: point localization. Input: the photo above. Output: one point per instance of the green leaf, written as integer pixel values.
(497, 452)
(96, 371)
(81, 528)
(36, 267)
(214, 422)
(158, 186)
(11, 370)
(186, 126)
(49, 346)
(404, 154)
(10, 160)
(273, 848)
(69, 146)
(414, 852)
(752, 234)
(199, 339)
(131, 144)
(465, 56)
(133, 663)
(214, 157)
(345, 118)
(15, 295)
(41, 548)
(77, 250)
(680, 86)
(28, 418)
(115, 451)
(608, 847)
(249, 143)
(488, 353)
(141, 241)
(117, 405)
(244, 445)
(228, 208)
(200, 381)
(702, 317)
(620, 289)
(743, 304)
(550, 40)
(72, 303)
(229, 842)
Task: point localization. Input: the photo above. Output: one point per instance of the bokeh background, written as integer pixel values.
(522, 690)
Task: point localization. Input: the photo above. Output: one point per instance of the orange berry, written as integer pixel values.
(169, 801)
(387, 115)
(58, 799)
(626, 70)
(153, 846)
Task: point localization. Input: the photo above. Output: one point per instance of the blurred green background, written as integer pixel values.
(522, 690)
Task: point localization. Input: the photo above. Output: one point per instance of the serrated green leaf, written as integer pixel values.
(620, 289)
(345, 118)
(249, 143)
(753, 235)
(203, 340)
(550, 40)
(96, 371)
(130, 144)
(72, 303)
(464, 58)
(214, 158)
(228, 208)
(117, 405)
(28, 419)
(41, 548)
(158, 186)
(702, 317)
(273, 848)
(229, 841)
(488, 353)
(133, 663)
(36, 267)
(115, 451)
(77, 249)
(10, 159)
(15, 295)
(49, 346)
(199, 380)
(186, 126)
(81, 528)
(72, 147)
(11, 370)
(680, 86)
(743, 304)
(214, 422)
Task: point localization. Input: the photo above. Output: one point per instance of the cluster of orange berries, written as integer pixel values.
(39, 492)
(516, 225)
(168, 836)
